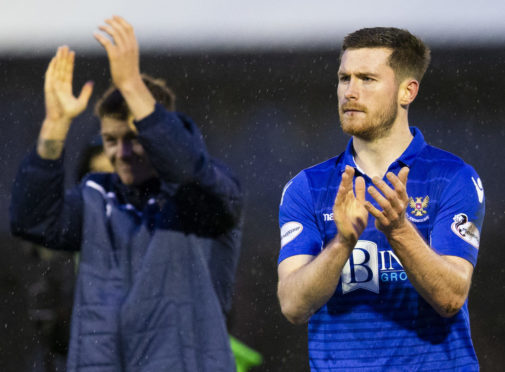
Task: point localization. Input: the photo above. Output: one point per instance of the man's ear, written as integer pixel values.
(408, 91)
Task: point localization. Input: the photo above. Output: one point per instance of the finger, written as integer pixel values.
(379, 198)
(389, 212)
(403, 175)
(85, 94)
(386, 205)
(360, 189)
(374, 211)
(123, 22)
(345, 185)
(387, 191)
(399, 187)
(58, 61)
(118, 32)
(105, 42)
(59, 65)
(127, 29)
(347, 177)
(111, 32)
(49, 77)
(68, 70)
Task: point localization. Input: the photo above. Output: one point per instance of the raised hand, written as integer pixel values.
(393, 201)
(122, 50)
(349, 212)
(61, 105)
(123, 54)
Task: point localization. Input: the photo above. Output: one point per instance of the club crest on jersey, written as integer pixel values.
(466, 230)
(419, 205)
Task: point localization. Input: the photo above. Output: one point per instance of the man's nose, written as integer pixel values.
(352, 89)
(124, 149)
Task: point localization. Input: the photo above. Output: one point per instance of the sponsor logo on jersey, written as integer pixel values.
(466, 230)
(418, 206)
(361, 269)
(367, 267)
(480, 190)
(328, 217)
(289, 231)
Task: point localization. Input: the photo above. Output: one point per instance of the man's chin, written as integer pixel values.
(352, 127)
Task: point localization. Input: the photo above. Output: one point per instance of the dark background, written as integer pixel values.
(269, 115)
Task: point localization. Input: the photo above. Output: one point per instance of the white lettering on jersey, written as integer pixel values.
(328, 217)
(479, 188)
(361, 269)
(466, 230)
(289, 231)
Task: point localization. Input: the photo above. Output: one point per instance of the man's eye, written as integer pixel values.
(343, 78)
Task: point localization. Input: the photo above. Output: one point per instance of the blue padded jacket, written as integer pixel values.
(157, 262)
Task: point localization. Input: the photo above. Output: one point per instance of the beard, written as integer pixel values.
(371, 128)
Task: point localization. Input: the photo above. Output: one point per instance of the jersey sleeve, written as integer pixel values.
(457, 227)
(297, 222)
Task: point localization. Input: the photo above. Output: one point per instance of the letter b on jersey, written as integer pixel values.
(361, 269)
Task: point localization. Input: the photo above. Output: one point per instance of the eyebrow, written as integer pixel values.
(358, 74)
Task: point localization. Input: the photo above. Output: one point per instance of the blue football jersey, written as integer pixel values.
(376, 320)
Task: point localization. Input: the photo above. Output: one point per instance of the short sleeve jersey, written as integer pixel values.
(376, 320)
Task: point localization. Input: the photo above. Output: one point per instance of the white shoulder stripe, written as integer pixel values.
(284, 191)
(96, 186)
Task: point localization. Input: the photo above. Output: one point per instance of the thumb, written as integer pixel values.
(85, 94)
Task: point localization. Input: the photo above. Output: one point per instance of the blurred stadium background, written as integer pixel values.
(260, 80)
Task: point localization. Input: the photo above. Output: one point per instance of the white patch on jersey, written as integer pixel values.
(361, 269)
(466, 230)
(96, 186)
(289, 231)
(284, 191)
(479, 188)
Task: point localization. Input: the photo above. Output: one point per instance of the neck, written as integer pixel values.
(375, 156)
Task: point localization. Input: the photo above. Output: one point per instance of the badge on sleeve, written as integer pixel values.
(466, 230)
(289, 231)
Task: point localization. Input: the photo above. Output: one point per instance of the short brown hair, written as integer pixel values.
(410, 57)
(112, 104)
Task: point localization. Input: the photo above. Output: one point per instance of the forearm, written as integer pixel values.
(174, 146)
(138, 97)
(39, 210)
(303, 291)
(52, 137)
(441, 282)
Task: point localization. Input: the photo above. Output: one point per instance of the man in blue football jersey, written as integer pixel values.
(378, 245)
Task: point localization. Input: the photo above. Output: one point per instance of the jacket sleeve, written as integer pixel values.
(40, 210)
(210, 194)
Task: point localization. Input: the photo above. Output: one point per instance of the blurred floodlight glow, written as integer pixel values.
(34, 26)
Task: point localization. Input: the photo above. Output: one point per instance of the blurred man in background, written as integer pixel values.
(378, 245)
(158, 238)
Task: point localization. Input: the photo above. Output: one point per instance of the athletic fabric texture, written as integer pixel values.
(376, 320)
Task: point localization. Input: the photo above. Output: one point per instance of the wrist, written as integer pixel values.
(346, 242)
(399, 231)
(130, 85)
(139, 99)
(55, 129)
(50, 149)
